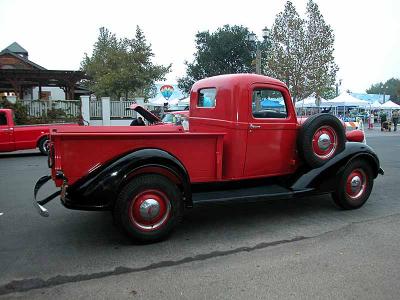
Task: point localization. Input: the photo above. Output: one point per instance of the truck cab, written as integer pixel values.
(258, 120)
(6, 127)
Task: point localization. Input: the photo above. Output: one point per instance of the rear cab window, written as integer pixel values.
(3, 119)
(207, 98)
(268, 104)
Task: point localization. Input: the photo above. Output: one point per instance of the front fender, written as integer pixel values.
(99, 189)
(324, 178)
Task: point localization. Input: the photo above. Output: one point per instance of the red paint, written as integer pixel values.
(20, 137)
(355, 136)
(219, 146)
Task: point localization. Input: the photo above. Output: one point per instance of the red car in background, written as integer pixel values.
(21, 137)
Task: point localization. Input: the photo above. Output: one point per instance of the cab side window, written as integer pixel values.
(268, 103)
(3, 119)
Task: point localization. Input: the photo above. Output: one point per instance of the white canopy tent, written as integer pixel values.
(346, 100)
(309, 102)
(390, 105)
(375, 105)
(159, 101)
(185, 101)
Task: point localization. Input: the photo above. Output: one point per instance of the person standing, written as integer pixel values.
(371, 121)
(395, 119)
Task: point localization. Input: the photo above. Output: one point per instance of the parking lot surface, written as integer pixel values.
(277, 249)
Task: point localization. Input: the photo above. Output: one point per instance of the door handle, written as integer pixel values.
(6, 129)
(252, 126)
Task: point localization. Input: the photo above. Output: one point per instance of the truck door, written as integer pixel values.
(6, 134)
(272, 132)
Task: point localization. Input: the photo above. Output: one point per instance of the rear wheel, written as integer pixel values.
(148, 208)
(43, 145)
(354, 186)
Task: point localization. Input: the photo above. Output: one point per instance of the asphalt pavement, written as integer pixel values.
(304, 248)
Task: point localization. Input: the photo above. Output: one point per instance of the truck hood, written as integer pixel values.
(151, 118)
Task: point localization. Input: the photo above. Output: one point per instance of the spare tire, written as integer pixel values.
(321, 137)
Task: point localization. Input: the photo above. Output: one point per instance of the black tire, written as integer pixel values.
(143, 195)
(312, 141)
(347, 196)
(43, 145)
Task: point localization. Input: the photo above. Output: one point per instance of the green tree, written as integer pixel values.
(226, 51)
(301, 51)
(121, 67)
(390, 87)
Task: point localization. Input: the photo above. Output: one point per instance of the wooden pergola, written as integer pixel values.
(18, 80)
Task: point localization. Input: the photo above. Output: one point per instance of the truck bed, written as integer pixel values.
(90, 147)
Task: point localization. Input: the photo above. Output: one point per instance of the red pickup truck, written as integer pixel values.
(244, 143)
(20, 137)
(13, 137)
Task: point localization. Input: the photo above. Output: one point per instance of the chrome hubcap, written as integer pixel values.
(324, 141)
(149, 209)
(355, 184)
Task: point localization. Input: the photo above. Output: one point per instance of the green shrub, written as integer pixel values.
(20, 111)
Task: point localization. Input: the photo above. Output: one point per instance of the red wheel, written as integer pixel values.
(354, 186)
(320, 138)
(148, 208)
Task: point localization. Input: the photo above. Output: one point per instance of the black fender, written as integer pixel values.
(99, 189)
(324, 178)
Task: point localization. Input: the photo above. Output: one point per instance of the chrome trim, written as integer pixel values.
(149, 209)
(324, 141)
(252, 126)
(42, 210)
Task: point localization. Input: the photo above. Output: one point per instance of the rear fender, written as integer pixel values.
(100, 188)
(324, 178)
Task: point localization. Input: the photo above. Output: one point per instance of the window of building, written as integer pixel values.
(268, 103)
(207, 97)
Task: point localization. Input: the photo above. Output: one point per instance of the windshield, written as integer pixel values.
(168, 118)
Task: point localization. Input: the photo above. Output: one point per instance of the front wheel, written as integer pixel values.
(148, 208)
(354, 186)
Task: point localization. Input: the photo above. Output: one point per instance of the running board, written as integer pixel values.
(250, 194)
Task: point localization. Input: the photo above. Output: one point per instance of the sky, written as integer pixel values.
(57, 33)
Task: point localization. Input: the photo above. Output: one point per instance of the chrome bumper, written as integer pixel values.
(39, 204)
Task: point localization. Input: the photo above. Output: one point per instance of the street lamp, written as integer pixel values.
(384, 90)
(252, 37)
(337, 86)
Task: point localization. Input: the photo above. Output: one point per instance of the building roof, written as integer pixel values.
(16, 48)
(32, 78)
(7, 51)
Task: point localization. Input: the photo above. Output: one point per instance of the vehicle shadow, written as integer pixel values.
(212, 221)
(24, 154)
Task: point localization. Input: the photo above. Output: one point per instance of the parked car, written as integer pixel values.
(175, 117)
(235, 150)
(20, 137)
